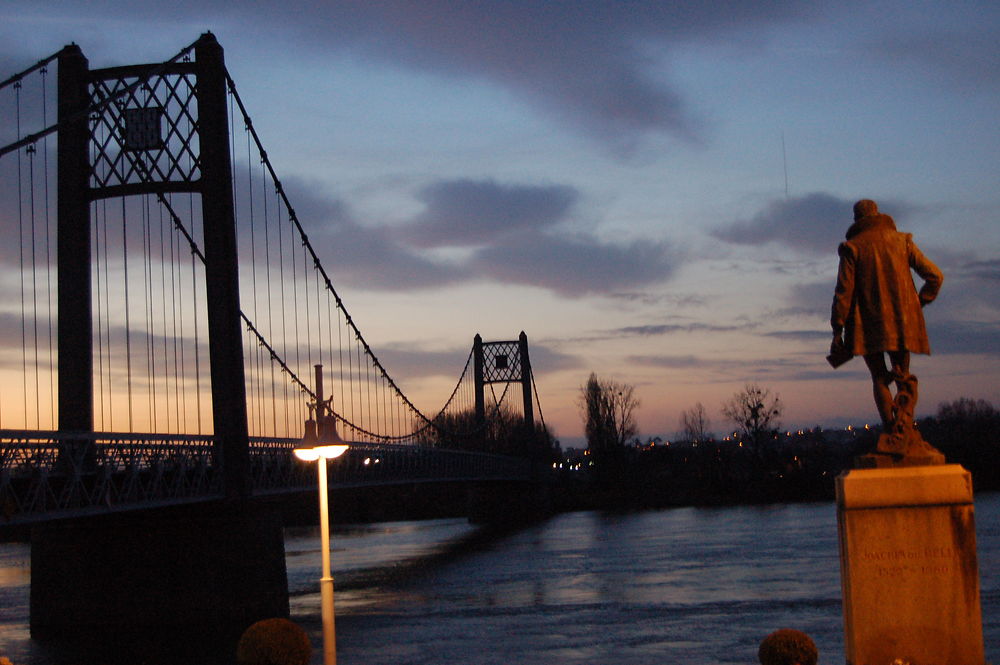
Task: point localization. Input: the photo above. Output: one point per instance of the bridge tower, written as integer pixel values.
(502, 362)
(138, 160)
(507, 362)
(164, 128)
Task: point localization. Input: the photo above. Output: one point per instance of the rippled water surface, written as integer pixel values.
(678, 586)
(683, 586)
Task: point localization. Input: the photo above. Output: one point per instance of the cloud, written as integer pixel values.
(587, 62)
(966, 314)
(461, 213)
(526, 251)
(669, 362)
(574, 264)
(726, 370)
(799, 335)
(853, 373)
(967, 60)
(369, 258)
(407, 362)
(657, 330)
(959, 337)
(361, 256)
(810, 299)
(600, 67)
(603, 68)
(545, 359)
(813, 223)
(985, 270)
(578, 62)
(660, 299)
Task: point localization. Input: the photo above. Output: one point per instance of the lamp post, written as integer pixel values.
(321, 454)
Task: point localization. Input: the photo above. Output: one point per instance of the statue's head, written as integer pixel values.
(865, 208)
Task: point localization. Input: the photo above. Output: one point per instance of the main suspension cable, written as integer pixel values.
(307, 245)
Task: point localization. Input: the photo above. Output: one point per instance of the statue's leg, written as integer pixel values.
(906, 389)
(882, 378)
(900, 362)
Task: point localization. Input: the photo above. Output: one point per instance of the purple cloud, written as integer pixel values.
(586, 63)
(655, 330)
(669, 362)
(464, 213)
(574, 265)
(967, 60)
(513, 224)
(361, 256)
(813, 223)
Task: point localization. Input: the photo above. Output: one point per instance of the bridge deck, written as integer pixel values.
(54, 475)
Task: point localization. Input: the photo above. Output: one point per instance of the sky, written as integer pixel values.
(652, 191)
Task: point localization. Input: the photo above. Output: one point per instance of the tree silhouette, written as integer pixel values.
(965, 430)
(695, 423)
(609, 413)
(756, 413)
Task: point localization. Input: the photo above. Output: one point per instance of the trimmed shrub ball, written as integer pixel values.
(274, 642)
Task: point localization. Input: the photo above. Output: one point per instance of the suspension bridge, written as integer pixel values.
(171, 333)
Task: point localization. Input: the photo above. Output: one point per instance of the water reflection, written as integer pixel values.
(677, 557)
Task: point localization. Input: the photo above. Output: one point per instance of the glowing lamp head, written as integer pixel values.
(315, 453)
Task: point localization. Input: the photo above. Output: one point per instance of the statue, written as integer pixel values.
(877, 311)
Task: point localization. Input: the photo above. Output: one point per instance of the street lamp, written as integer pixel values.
(322, 454)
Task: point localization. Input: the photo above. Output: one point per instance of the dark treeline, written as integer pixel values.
(786, 466)
(757, 465)
(798, 468)
(502, 432)
(967, 431)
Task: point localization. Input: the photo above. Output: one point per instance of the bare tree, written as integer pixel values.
(609, 412)
(755, 412)
(965, 408)
(695, 423)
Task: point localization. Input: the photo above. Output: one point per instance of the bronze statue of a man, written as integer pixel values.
(877, 311)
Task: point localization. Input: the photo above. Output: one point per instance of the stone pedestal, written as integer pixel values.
(908, 566)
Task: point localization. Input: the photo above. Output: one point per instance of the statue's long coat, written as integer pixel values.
(876, 302)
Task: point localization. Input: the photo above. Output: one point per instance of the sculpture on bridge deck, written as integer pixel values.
(877, 310)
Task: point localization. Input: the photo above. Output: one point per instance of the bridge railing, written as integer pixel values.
(48, 475)
(275, 469)
(52, 475)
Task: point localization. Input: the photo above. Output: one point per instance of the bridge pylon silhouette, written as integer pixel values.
(215, 567)
(502, 362)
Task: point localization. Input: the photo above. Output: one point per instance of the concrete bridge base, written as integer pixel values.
(505, 503)
(201, 572)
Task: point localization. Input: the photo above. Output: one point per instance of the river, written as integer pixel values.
(680, 586)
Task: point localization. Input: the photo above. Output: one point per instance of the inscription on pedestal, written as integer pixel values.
(899, 563)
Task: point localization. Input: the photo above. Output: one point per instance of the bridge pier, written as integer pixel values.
(501, 503)
(193, 573)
